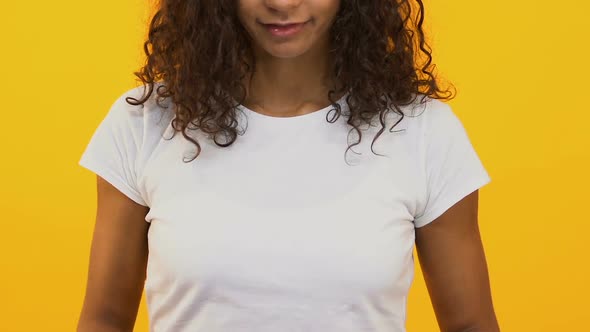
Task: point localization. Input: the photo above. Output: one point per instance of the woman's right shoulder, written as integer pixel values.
(135, 98)
(131, 107)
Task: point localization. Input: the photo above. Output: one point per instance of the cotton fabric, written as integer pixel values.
(282, 231)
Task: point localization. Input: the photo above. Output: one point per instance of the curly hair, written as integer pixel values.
(200, 51)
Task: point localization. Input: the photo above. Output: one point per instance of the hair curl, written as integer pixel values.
(201, 51)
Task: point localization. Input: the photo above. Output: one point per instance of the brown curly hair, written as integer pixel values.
(200, 51)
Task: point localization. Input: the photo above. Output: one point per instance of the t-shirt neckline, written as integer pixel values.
(288, 119)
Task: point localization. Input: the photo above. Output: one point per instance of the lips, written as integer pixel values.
(283, 24)
(284, 29)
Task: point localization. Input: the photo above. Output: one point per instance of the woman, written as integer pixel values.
(252, 218)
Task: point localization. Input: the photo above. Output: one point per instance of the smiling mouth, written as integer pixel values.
(283, 30)
(283, 24)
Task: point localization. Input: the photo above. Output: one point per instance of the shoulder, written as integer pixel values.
(152, 115)
(128, 101)
(431, 115)
(426, 108)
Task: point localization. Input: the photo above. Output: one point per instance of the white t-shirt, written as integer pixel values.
(277, 232)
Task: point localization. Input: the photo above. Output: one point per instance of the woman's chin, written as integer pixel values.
(285, 51)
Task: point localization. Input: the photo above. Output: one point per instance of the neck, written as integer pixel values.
(289, 87)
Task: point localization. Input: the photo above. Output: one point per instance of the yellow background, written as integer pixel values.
(522, 75)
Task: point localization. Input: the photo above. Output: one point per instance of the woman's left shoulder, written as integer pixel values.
(432, 114)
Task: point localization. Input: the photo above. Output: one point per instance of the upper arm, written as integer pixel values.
(118, 259)
(453, 263)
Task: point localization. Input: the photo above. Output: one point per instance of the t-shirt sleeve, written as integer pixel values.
(113, 150)
(453, 167)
